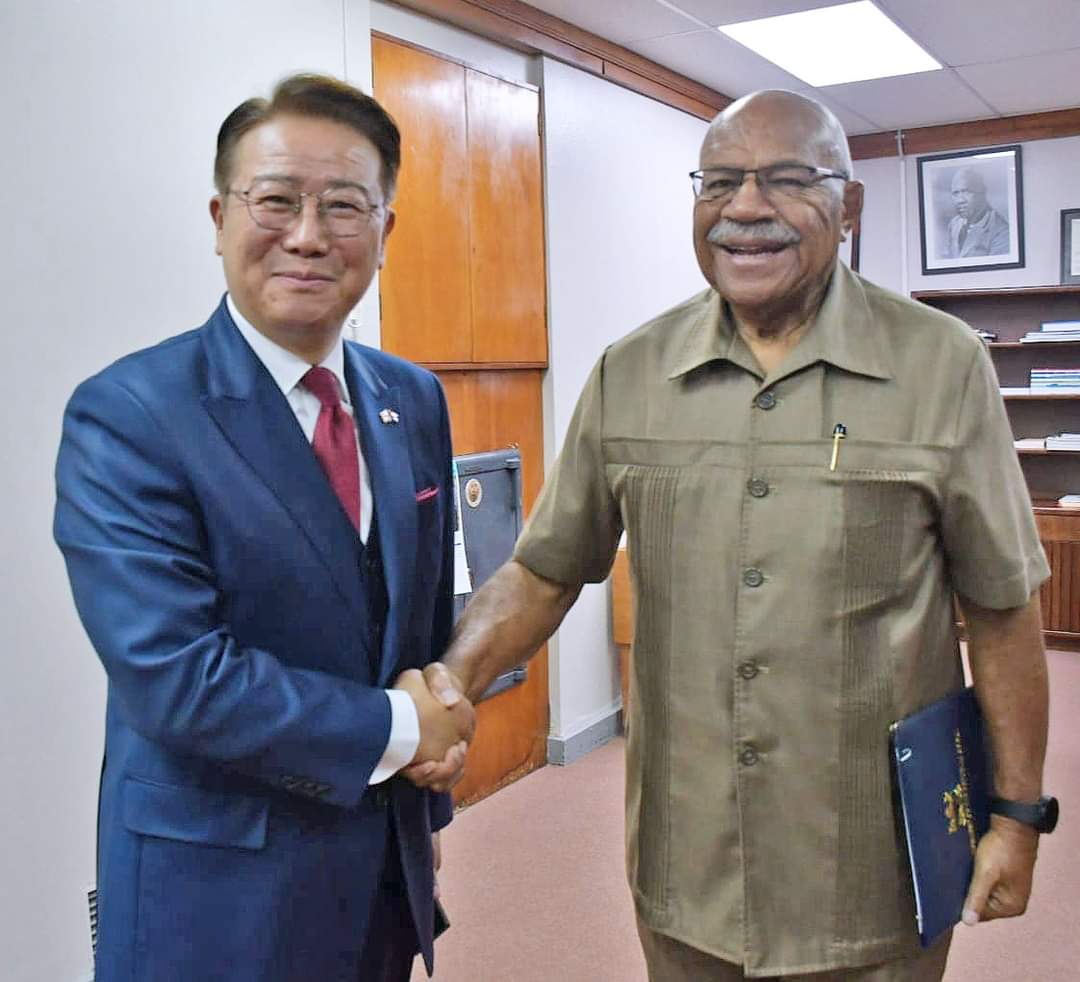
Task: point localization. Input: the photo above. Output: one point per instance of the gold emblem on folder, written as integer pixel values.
(956, 801)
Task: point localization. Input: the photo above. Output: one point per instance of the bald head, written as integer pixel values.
(969, 178)
(808, 125)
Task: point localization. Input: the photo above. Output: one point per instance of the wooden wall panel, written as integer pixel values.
(424, 287)
(506, 216)
(490, 410)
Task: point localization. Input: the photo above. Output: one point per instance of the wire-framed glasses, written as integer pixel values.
(776, 180)
(275, 205)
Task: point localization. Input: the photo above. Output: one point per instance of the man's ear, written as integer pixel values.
(852, 207)
(388, 227)
(217, 213)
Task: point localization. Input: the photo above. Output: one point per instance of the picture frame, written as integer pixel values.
(971, 210)
(1070, 246)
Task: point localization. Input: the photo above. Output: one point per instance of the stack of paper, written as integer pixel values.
(1063, 441)
(1054, 331)
(1055, 379)
(1069, 500)
(1030, 443)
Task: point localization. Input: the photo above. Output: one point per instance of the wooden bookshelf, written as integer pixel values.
(1010, 314)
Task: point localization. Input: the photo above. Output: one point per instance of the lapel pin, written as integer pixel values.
(389, 416)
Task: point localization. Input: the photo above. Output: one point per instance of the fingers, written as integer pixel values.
(444, 684)
(439, 775)
(1001, 882)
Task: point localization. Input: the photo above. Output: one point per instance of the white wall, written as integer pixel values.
(619, 251)
(112, 110)
(891, 253)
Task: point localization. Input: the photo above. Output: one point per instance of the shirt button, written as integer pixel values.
(757, 487)
(753, 577)
(748, 670)
(749, 756)
(765, 400)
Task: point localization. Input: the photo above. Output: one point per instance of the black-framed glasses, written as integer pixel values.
(776, 180)
(275, 205)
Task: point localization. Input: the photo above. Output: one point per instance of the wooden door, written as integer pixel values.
(424, 287)
(489, 410)
(506, 222)
(463, 293)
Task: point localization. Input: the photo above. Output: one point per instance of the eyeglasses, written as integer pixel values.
(780, 180)
(275, 206)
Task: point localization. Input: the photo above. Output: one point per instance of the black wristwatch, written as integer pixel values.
(1041, 816)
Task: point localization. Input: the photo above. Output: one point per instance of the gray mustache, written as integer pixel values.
(769, 232)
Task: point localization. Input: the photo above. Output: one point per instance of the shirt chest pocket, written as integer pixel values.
(886, 521)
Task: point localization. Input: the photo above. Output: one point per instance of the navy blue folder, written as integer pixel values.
(942, 771)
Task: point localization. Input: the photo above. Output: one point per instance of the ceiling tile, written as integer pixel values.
(618, 20)
(715, 12)
(717, 61)
(903, 101)
(973, 31)
(852, 122)
(1051, 81)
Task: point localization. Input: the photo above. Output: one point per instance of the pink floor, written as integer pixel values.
(533, 878)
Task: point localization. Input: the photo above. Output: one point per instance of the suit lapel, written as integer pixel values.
(256, 418)
(384, 441)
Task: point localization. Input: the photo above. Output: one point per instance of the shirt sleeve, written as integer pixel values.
(573, 532)
(404, 737)
(988, 524)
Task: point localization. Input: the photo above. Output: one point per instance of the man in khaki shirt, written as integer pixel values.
(794, 591)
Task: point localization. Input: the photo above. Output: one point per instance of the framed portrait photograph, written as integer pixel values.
(971, 210)
(1070, 245)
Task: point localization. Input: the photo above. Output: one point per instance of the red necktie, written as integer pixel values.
(335, 441)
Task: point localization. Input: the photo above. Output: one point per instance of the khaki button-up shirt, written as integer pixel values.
(786, 612)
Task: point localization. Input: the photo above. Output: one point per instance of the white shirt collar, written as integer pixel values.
(284, 367)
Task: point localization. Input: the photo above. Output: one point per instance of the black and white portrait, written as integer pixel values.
(970, 210)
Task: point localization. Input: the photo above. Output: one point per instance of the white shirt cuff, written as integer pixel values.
(404, 736)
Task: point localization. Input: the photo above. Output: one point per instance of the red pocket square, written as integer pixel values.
(427, 494)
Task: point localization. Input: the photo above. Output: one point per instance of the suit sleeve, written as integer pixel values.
(132, 536)
(440, 806)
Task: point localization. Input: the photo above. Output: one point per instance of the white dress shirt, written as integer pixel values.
(287, 369)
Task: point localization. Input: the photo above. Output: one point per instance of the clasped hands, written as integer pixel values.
(447, 723)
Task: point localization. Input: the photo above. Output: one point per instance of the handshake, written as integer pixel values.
(447, 723)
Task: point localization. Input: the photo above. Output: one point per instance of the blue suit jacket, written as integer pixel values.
(216, 575)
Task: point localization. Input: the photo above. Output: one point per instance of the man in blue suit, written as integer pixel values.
(257, 522)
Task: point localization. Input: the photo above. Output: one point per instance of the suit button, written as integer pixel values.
(748, 670)
(749, 756)
(757, 487)
(753, 577)
(765, 400)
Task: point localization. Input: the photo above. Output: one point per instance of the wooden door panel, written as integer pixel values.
(424, 287)
(506, 220)
(490, 410)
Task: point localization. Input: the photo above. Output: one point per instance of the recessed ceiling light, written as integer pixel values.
(849, 42)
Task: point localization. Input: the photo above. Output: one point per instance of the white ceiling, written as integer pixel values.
(1001, 57)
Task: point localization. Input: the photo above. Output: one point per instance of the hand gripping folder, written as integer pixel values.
(942, 776)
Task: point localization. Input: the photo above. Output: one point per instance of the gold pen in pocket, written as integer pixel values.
(838, 434)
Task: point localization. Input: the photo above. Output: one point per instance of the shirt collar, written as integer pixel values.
(285, 368)
(842, 334)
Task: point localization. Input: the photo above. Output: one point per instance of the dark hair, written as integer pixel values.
(321, 97)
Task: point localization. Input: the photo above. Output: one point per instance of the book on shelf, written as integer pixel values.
(1054, 331)
(1063, 441)
(1055, 378)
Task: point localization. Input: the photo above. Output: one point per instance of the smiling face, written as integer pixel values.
(297, 285)
(773, 255)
